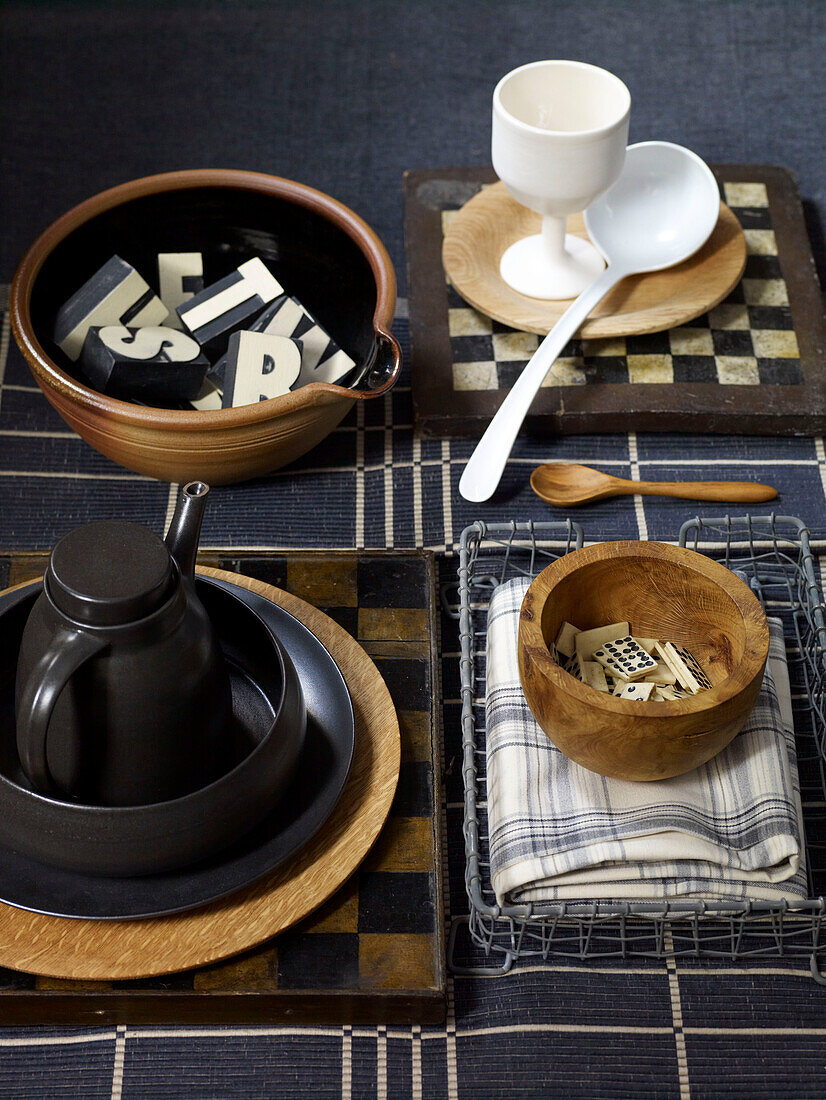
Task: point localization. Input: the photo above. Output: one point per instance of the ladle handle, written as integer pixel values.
(485, 466)
(69, 649)
(737, 492)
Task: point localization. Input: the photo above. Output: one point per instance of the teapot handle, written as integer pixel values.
(69, 649)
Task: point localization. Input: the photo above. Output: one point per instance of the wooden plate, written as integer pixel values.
(491, 221)
(111, 950)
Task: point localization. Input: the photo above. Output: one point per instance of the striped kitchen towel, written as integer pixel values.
(730, 830)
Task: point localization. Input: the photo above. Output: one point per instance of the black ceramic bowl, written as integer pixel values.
(319, 250)
(262, 750)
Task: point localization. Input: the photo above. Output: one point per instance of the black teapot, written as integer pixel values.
(122, 694)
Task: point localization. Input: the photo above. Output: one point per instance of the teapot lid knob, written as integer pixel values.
(108, 573)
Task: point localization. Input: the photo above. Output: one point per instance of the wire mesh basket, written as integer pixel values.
(772, 554)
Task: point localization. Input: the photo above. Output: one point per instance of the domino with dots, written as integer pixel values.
(639, 691)
(566, 640)
(625, 658)
(588, 641)
(685, 667)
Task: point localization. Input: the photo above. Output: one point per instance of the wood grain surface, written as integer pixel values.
(568, 484)
(109, 950)
(491, 221)
(665, 592)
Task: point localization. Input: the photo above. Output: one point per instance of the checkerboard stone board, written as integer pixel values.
(375, 951)
(752, 364)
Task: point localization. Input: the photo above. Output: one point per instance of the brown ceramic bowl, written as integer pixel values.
(321, 252)
(665, 592)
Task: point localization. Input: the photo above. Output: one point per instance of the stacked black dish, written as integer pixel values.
(170, 738)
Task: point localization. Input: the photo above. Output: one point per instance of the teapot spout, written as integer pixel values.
(185, 528)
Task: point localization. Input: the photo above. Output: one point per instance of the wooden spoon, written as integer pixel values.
(567, 484)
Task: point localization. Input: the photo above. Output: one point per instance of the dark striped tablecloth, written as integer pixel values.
(597, 1028)
(345, 96)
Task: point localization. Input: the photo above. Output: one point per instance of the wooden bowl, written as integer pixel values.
(321, 252)
(665, 592)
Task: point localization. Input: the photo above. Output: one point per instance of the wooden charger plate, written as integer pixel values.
(491, 221)
(121, 949)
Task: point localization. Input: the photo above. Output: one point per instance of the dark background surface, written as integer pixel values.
(346, 95)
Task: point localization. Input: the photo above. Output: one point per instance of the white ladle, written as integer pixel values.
(660, 211)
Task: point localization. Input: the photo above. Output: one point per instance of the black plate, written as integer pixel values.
(319, 780)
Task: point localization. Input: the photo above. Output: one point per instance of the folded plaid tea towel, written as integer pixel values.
(730, 830)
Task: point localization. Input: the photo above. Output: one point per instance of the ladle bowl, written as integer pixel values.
(660, 211)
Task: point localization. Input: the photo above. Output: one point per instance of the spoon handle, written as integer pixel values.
(485, 466)
(737, 492)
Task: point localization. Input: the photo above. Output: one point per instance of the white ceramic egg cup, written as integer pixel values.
(559, 134)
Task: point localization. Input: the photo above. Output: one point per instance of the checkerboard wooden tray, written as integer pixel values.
(753, 364)
(374, 952)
